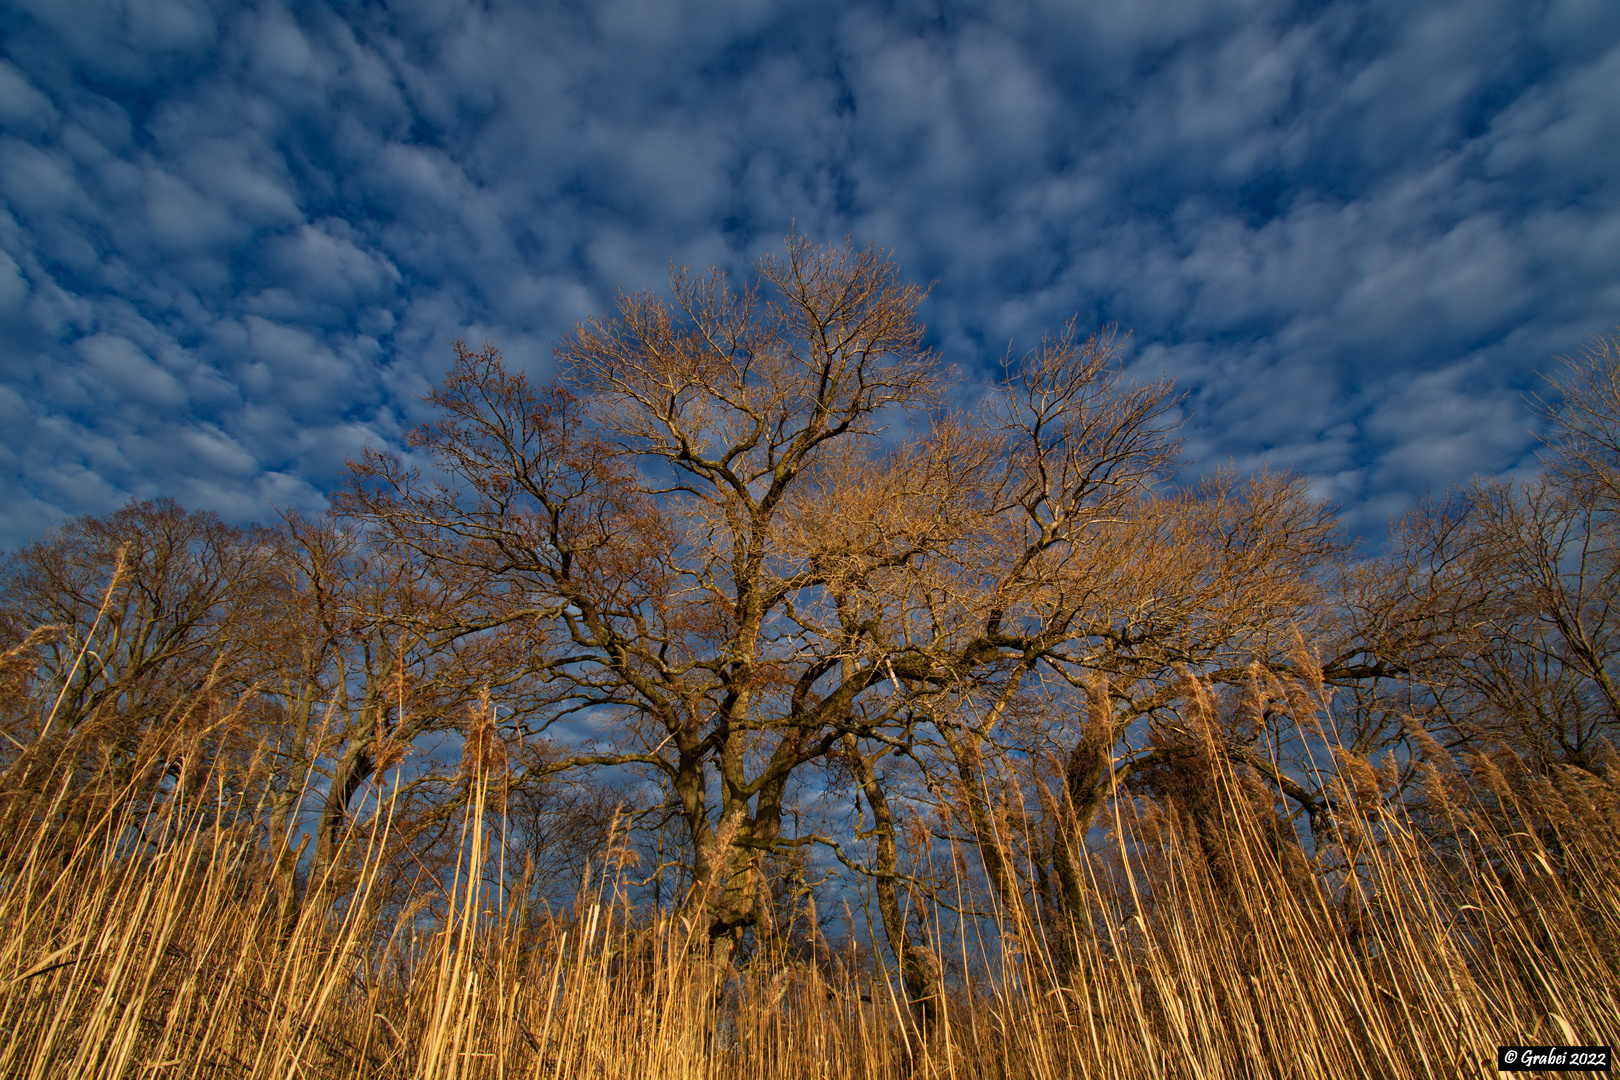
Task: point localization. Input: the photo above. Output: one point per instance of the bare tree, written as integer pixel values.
(1584, 428)
(646, 531)
(1515, 618)
(727, 567)
(1208, 582)
(368, 653)
(1496, 603)
(333, 659)
(150, 605)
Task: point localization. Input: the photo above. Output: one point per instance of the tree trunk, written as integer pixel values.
(919, 967)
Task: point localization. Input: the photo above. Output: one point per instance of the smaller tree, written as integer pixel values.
(1496, 602)
(1584, 423)
(151, 607)
(369, 654)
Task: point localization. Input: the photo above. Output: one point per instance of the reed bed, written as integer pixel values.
(145, 943)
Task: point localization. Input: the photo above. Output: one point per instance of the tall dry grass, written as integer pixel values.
(142, 942)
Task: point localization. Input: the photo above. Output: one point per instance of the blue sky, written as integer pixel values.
(236, 240)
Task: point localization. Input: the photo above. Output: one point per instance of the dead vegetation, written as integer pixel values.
(732, 708)
(144, 943)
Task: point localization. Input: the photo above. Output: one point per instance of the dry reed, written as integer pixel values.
(143, 944)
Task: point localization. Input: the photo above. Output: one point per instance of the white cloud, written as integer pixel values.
(13, 286)
(122, 372)
(22, 107)
(240, 240)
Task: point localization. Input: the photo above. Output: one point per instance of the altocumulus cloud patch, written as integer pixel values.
(236, 239)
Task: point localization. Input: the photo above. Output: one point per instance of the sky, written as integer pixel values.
(237, 240)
